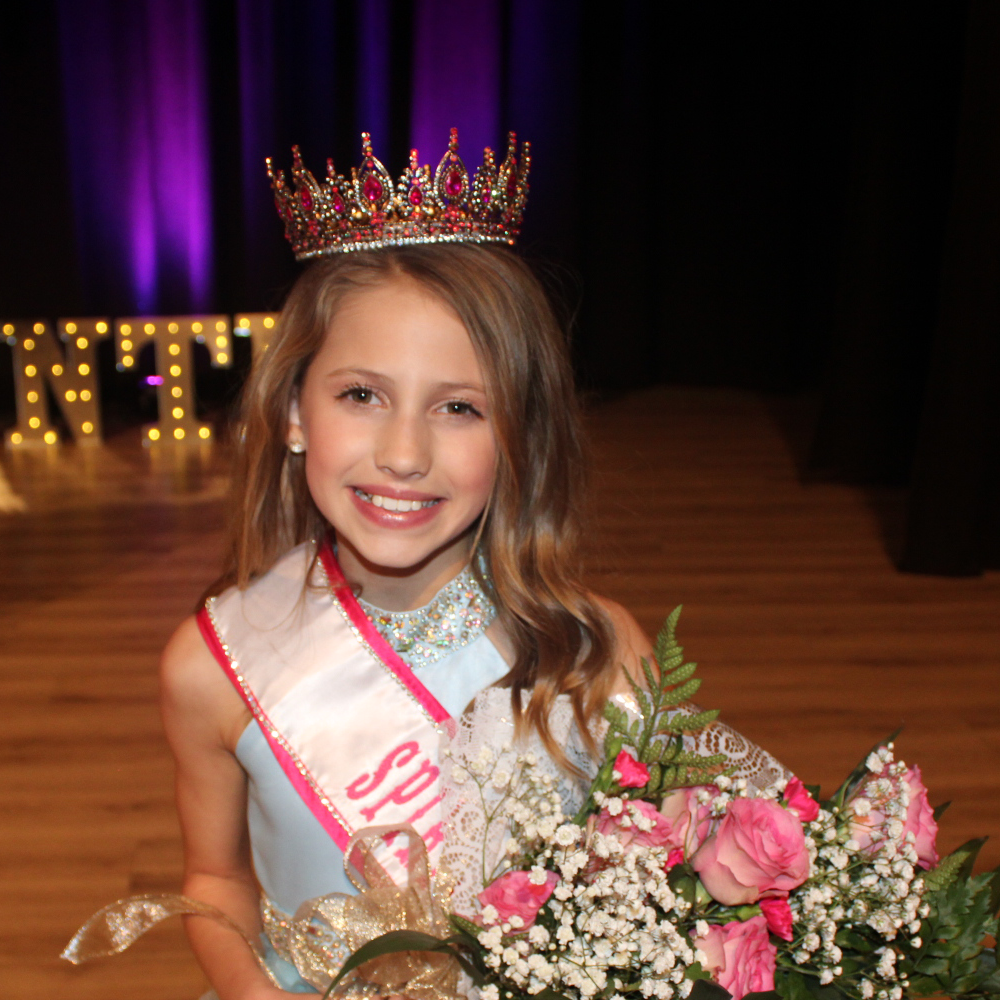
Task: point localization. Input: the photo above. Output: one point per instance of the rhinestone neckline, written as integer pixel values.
(457, 615)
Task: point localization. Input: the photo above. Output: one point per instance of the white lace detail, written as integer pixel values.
(475, 836)
(750, 761)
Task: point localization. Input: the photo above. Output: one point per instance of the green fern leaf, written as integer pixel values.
(681, 674)
(686, 691)
(647, 672)
(693, 723)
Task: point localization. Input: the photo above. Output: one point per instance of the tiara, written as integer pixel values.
(369, 211)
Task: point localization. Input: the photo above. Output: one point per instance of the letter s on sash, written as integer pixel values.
(358, 789)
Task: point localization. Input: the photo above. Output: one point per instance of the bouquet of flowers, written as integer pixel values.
(675, 880)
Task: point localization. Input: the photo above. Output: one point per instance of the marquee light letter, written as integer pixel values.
(260, 327)
(70, 374)
(171, 336)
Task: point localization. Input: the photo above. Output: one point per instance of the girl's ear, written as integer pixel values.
(296, 436)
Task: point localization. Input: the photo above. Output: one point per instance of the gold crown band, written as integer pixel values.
(369, 211)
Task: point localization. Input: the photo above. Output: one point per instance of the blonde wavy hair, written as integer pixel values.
(530, 532)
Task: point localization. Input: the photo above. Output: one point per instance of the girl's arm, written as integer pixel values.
(203, 717)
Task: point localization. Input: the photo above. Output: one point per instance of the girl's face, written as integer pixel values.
(400, 450)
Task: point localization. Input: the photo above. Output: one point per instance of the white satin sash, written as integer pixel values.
(352, 727)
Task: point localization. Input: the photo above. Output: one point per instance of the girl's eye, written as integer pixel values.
(460, 408)
(357, 394)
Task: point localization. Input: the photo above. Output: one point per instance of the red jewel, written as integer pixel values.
(511, 184)
(453, 182)
(373, 188)
(338, 202)
(416, 195)
(486, 196)
(305, 196)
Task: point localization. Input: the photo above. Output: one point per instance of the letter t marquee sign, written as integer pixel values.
(171, 337)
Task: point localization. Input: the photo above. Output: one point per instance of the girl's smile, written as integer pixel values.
(400, 452)
(395, 508)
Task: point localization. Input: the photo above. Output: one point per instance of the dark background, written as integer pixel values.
(794, 199)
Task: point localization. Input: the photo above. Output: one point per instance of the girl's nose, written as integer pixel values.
(403, 448)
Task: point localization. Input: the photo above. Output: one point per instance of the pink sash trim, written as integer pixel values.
(295, 770)
(345, 597)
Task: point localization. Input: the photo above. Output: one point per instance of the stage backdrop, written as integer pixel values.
(762, 195)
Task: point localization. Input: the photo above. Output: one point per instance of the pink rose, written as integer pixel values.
(920, 820)
(758, 849)
(798, 798)
(867, 829)
(778, 915)
(513, 894)
(740, 956)
(689, 821)
(633, 774)
(658, 836)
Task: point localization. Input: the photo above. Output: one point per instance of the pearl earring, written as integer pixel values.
(296, 447)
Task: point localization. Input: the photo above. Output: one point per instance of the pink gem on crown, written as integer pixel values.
(370, 211)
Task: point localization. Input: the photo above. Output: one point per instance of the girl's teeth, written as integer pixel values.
(390, 503)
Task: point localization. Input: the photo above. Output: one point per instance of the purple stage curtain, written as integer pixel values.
(136, 100)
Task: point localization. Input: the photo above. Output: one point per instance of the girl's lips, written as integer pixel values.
(395, 492)
(396, 518)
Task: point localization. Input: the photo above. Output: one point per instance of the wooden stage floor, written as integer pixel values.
(808, 639)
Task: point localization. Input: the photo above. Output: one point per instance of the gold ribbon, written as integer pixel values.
(379, 907)
(116, 927)
(324, 931)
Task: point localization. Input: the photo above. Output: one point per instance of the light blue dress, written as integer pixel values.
(294, 858)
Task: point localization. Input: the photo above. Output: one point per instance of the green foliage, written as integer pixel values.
(406, 940)
(995, 891)
(705, 989)
(792, 984)
(957, 865)
(683, 881)
(951, 958)
(940, 810)
(656, 736)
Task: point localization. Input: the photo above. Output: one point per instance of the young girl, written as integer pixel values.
(408, 495)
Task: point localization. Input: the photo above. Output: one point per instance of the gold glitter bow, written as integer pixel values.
(324, 931)
(380, 906)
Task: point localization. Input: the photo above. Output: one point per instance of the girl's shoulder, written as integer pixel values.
(632, 645)
(198, 702)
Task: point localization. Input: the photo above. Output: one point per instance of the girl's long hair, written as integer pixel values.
(531, 530)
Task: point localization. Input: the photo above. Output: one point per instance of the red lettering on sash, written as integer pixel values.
(404, 791)
(357, 788)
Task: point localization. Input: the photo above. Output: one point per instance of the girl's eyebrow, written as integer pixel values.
(459, 386)
(373, 376)
(364, 373)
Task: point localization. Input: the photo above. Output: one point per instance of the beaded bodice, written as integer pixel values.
(454, 618)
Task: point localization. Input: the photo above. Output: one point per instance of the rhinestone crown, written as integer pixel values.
(369, 211)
